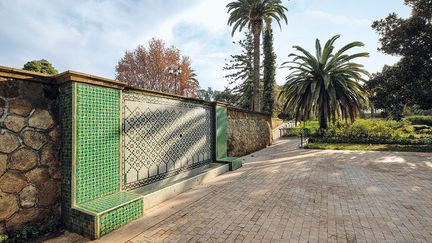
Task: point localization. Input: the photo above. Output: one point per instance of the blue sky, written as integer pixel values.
(91, 36)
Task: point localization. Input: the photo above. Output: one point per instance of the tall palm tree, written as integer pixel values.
(326, 85)
(252, 14)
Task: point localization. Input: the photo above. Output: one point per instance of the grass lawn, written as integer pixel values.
(371, 147)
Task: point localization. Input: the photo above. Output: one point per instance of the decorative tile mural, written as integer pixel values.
(163, 137)
(97, 141)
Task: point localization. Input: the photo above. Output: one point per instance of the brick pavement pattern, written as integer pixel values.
(285, 194)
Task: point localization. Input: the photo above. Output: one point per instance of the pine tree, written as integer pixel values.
(269, 64)
(241, 76)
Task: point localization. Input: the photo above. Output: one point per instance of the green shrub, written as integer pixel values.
(419, 120)
(25, 233)
(371, 140)
(3, 238)
(311, 126)
(293, 132)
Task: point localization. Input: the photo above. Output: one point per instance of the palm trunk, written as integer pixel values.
(256, 29)
(322, 122)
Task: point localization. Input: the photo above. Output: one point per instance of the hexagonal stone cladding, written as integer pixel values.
(23, 159)
(28, 196)
(34, 139)
(20, 107)
(12, 182)
(29, 188)
(41, 119)
(3, 163)
(14, 123)
(8, 205)
(8, 142)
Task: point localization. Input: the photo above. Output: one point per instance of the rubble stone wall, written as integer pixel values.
(29, 145)
(247, 132)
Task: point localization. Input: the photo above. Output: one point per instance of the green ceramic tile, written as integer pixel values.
(120, 216)
(108, 202)
(97, 168)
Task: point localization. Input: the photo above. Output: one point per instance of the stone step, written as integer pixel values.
(161, 191)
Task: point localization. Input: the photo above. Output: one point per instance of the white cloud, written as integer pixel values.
(337, 19)
(92, 35)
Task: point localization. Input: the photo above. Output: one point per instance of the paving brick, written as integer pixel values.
(286, 194)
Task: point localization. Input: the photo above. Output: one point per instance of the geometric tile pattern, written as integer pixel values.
(162, 137)
(114, 219)
(97, 141)
(81, 223)
(65, 115)
(90, 161)
(102, 204)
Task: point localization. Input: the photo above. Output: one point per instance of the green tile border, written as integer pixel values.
(221, 134)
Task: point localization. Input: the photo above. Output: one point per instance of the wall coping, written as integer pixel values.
(7, 73)
(166, 95)
(74, 76)
(233, 108)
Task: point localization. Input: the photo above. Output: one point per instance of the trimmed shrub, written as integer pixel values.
(371, 140)
(419, 120)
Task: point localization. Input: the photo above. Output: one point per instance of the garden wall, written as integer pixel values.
(55, 131)
(247, 131)
(29, 144)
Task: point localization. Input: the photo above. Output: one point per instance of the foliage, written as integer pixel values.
(370, 140)
(3, 238)
(148, 67)
(419, 120)
(252, 14)
(40, 66)
(27, 232)
(370, 147)
(207, 95)
(278, 105)
(374, 131)
(326, 84)
(311, 126)
(415, 110)
(241, 76)
(385, 92)
(269, 64)
(293, 132)
(409, 81)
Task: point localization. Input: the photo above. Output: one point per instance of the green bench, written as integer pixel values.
(92, 201)
(110, 212)
(234, 162)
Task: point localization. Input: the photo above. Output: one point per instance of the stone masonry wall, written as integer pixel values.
(247, 132)
(29, 144)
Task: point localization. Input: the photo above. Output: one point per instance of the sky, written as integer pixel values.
(91, 36)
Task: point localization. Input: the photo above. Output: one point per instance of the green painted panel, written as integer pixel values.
(221, 132)
(97, 142)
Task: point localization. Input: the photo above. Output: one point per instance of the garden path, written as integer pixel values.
(286, 194)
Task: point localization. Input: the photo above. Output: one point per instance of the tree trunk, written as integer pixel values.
(322, 122)
(256, 29)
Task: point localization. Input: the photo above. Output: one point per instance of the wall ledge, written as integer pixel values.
(8, 73)
(73, 76)
(233, 108)
(166, 95)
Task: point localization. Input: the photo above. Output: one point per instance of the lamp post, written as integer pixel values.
(175, 71)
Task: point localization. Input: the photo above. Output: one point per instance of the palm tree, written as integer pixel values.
(252, 13)
(326, 85)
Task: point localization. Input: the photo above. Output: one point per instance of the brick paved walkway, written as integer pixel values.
(284, 194)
